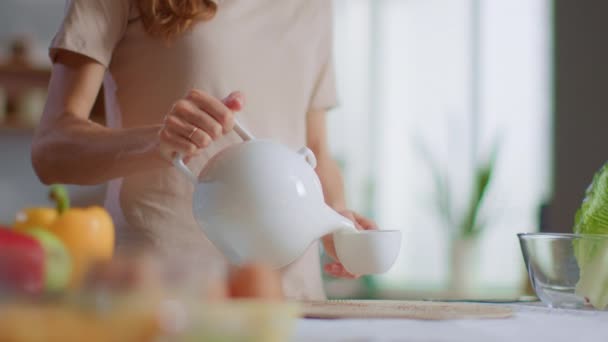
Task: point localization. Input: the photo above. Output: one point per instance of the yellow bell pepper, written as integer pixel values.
(34, 218)
(87, 233)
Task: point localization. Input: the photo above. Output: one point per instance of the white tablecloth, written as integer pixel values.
(530, 322)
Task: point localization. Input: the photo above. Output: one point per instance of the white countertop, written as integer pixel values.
(530, 322)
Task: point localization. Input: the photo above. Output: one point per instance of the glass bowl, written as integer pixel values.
(567, 270)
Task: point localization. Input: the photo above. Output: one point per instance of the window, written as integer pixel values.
(448, 78)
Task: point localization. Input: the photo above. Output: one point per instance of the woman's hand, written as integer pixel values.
(195, 121)
(336, 269)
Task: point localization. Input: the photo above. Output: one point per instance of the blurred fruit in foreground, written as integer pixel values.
(22, 263)
(142, 298)
(125, 274)
(216, 290)
(146, 319)
(59, 322)
(57, 265)
(255, 281)
(34, 218)
(87, 233)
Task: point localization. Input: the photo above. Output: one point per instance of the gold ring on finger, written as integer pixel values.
(192, 133)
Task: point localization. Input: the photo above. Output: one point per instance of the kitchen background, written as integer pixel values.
(461, 122)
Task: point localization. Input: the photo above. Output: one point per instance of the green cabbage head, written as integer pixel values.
(592, 254)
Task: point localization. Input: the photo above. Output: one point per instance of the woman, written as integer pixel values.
(166, 67)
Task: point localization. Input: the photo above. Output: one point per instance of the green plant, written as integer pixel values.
(468, 224)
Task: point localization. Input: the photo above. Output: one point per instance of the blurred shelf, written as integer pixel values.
(24, 127)
(16, 127)
(15, 79)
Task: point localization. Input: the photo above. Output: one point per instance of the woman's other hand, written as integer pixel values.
(336, 269)
(195, 121)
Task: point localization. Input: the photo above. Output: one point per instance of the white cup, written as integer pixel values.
(367, 251)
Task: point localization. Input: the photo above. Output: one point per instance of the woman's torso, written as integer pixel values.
(270, 50)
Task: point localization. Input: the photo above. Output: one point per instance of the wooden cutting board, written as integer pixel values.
(401, 309)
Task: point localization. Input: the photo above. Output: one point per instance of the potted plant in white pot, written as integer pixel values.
(464, 227)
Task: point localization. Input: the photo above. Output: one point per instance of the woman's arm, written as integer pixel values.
(327, 168)
(69, 148)
(333, 185)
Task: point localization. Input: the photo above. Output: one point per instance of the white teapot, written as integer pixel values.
(260, 201)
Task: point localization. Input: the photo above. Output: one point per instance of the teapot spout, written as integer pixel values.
(334, 222)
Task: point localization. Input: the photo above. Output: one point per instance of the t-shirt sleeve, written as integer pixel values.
(91, 28)
(324, 95)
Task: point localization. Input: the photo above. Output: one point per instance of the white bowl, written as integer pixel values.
(367, 251)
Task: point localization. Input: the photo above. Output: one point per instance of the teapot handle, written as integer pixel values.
(178, 162)
(309, 156)
(242, 131)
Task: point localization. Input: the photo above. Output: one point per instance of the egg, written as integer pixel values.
(255, 281)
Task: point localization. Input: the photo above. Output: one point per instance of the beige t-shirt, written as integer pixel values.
(278, 53)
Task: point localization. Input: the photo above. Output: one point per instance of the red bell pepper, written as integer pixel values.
(22, 263)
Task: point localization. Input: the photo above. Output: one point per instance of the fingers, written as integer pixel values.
(351, 216)
(198, 119)
(177, 143)
(235, 101)
(216, 109)
(360, 222)
(193, 116)
(329, 247)
(337, 270)
(364, 222)
(180, 127)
